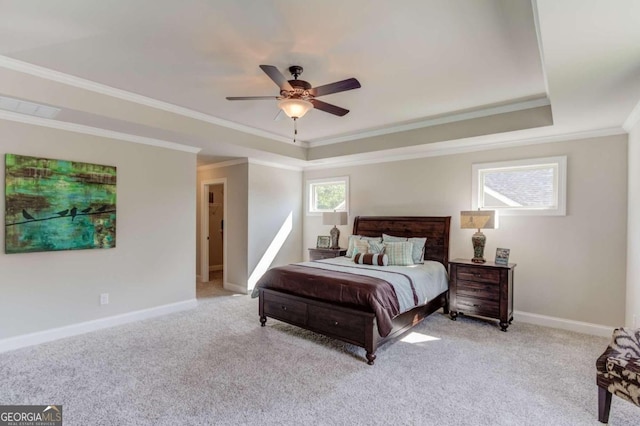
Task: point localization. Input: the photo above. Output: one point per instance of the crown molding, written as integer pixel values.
(536, 24)
(450, 118)
(250, 161)
(222, 164)
(632, 119)
(81, 83)
(462, 146)
(275, 165)
(94, 131)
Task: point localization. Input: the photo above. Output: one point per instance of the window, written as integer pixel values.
(327, 195)
(523, 187)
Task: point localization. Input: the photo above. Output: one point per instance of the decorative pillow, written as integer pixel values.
(376, 247)
(354, 238)
(372, 239)
(400, 253)
(391, 239)
(371, 259)
(351, 245)
(360, 246)
(418, 245)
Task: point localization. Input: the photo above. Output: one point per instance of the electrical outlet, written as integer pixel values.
(104, 299)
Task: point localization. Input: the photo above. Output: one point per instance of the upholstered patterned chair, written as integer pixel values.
(618, 370)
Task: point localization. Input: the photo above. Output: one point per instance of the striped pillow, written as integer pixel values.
(371, 259)
(418, 245)
(400, 253)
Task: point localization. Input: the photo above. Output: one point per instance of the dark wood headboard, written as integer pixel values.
(434, 228)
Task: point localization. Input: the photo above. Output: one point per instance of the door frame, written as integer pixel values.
(204, 228)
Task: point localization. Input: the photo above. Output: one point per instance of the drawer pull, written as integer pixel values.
(335, 323)
(284, 308)
(477, 275)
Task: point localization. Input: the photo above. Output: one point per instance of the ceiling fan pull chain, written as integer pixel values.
(295, 129)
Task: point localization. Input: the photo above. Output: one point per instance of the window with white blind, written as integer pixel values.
(521, 187)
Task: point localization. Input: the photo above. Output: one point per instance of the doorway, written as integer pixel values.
(213, 241)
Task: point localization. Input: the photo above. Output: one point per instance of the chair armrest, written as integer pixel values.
(626, 341)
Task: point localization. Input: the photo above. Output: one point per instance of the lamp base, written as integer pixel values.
(478, 240)
(335, 236)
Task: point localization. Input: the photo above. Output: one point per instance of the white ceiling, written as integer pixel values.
(415, 59)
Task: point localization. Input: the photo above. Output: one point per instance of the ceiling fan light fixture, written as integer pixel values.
(295, 108)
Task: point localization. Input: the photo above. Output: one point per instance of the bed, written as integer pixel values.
(304, 302)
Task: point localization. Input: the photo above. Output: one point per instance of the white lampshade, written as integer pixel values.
(478, 219)
(295, 108)
(334, 218)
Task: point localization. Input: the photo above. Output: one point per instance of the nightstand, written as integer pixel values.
(322, 253)
(483, 289)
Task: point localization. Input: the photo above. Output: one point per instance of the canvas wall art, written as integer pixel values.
(58, 205)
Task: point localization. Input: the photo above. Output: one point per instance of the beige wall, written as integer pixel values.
(152, 264)
(633, 244)
(570, 267)
(275, 222)
(259, 200)
(235, 225)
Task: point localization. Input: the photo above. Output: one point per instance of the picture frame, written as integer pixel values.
(55, 205)
(324, 241)
(502, 256)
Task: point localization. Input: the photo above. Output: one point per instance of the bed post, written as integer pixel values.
(263, 317)
(371, 340)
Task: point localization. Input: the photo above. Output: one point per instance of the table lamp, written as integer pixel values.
(334, 218)
(478, 219)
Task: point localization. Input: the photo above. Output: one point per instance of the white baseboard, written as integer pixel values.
(30, 339)
(236, 288)
(215, 267)
(564, 324)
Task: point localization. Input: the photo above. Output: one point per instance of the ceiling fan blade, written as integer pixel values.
(338, 86)
(251, 98)
(277, 77)
(331, 109)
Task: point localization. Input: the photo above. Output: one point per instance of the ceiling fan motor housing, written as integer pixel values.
(300, 87)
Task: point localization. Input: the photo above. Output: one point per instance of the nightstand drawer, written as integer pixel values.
(317, 254)
(487, 291)
(470, 305)
(285, 309)
(470, 273)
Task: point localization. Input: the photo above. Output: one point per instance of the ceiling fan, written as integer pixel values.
(297, 97)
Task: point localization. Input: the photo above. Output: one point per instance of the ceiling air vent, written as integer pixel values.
(25, 107)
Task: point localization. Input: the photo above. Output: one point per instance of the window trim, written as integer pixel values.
(308, 192)
(561, 185)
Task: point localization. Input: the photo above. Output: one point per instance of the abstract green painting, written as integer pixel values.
(58, 205)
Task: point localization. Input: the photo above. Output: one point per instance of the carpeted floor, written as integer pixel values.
(216, 365)
(212, 288)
